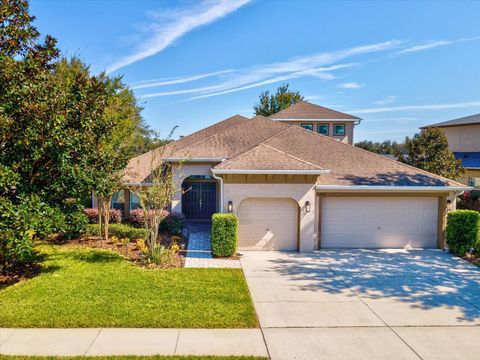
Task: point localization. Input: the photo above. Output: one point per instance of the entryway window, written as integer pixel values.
(134, 201)
(118, 200)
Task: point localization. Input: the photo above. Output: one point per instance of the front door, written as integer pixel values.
(199, 200)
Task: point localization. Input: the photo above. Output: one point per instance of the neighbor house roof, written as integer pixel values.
(470, 160)
(467, 120)
(347, 164)
(308, 111)
(140, 167)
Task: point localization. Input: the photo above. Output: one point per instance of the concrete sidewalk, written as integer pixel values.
(95, 342)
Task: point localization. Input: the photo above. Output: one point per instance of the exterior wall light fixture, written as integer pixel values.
(307, 206)
(230, 206)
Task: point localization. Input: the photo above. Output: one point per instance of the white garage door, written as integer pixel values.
(267, 224)
(379, 222)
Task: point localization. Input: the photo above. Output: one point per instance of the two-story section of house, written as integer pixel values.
(463, 136)
(322, 120)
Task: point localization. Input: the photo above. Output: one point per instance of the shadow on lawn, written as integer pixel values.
(422, 278)
(96, 256)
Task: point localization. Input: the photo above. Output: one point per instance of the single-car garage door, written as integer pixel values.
(267, 224)
(379, 222)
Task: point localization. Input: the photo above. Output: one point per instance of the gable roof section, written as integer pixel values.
(140, 167)
(267, 158)
(467, 120)
(233, 141)
(348, 165)
(309, 111)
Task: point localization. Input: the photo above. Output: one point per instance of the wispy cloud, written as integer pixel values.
(176, 80)
(350, 85)
(417, 107)
(321, 65)
(388, 100)
(399, 119)
(168, 26)
(431, 45)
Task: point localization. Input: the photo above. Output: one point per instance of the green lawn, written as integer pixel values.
(81, 287)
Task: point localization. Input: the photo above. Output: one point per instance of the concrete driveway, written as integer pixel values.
(366, 304)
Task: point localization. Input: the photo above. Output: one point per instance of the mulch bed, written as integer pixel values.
(130, 250)
(474, 259)
(19, 272)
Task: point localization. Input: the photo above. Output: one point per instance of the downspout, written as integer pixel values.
(220, 179)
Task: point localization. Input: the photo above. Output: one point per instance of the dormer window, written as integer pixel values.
(323, 129)
(307, 126)
(339, 129)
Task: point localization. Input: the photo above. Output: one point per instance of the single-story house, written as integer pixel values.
(300, 187)
(463, 136)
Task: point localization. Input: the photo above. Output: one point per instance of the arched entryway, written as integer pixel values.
(199, 197)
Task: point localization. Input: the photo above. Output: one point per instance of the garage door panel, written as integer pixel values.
(375, 222)
(267, 224)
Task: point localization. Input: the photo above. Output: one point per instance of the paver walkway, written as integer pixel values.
(366, 304)
(97, 342)
(199, 252)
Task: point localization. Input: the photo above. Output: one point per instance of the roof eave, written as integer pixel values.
(270, 171)
(353, 188)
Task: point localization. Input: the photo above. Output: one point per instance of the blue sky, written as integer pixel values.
(397, 65)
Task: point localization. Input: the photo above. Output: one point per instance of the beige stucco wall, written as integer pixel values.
(301, 193)
(180, 174)
(463, 138)
(348, 138)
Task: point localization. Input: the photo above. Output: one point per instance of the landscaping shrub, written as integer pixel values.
(75, 220)
(463, 231)
(173, 223)
(92, 215)
(224, 234)
(137, 217)
(120, 231)
(466, 202)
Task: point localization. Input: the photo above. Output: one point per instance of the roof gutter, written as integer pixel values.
(276, 172)
(315, 119)
(213, 160)
(352, 188)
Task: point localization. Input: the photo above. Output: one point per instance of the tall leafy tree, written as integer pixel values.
(282, 99)
(429, 151)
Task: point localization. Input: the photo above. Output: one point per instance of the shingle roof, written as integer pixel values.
(233, 141)
(467, 120)
(140, 167)
(306, 110)
(265, 144)
(266, 158)
(470, 160)
(348, 164)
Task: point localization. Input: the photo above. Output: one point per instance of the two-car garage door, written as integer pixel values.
(379, 222)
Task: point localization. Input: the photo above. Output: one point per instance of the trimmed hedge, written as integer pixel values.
(120, 231)
(463, 231)
(224, 234)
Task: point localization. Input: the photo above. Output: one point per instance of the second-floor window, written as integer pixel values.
(322, 129)
(339, 129)
(307, 126)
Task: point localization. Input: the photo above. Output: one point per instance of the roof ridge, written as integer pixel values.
(173, 142)
(254, 146)
(217, 133)
(382, 157)
(290, 155)
(353, 117)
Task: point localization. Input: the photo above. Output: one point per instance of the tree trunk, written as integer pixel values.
(104, 215)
